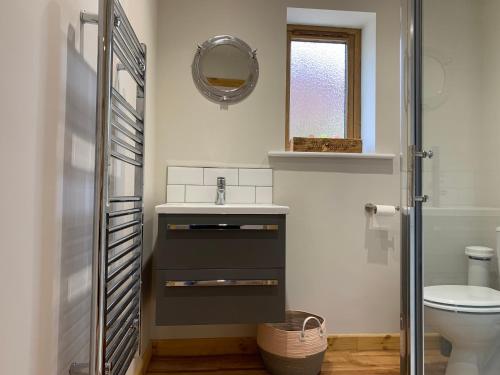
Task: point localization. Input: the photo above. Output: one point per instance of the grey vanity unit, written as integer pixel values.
(220, 264)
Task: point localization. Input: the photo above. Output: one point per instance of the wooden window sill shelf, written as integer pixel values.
(329, 155)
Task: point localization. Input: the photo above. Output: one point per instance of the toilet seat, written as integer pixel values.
(463, 298)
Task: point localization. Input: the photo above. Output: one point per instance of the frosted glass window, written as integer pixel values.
(318, 89)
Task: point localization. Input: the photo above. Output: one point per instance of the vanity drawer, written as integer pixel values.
(220, 241)
(192, 297)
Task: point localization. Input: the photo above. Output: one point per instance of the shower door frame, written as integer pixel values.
(412, 323)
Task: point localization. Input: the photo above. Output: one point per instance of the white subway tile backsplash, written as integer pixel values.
(198, 185)
(256, 177)
(263, 195)
(185, 176)
(240, 194)
(211, 174)
(176, 193)
(200, 194)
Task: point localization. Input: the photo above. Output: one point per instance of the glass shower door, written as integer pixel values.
(453, 205)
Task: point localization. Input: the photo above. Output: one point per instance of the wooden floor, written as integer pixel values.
(216, 356)
(384, 362)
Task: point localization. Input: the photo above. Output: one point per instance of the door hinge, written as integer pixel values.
(424, 154)
(422, 199)
(413, 154)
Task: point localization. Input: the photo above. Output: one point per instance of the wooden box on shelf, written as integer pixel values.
(302, 144)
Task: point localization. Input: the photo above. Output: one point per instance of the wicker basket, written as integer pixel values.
(295, 347)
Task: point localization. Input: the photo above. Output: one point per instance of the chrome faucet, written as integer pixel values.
(221, 191)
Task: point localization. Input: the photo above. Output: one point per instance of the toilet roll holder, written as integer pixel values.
(372, 208)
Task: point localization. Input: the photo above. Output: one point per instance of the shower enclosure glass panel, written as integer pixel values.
(460, 124)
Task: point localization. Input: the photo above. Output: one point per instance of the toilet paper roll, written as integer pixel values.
(381, 210)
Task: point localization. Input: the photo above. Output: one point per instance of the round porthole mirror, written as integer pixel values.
(225, 69)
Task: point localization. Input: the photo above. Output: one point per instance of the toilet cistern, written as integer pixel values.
(479, 265)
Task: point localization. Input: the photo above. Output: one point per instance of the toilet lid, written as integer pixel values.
(481, 252)
(462, 298)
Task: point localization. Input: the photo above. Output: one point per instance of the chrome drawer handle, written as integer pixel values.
(219, 283)
(266, 227)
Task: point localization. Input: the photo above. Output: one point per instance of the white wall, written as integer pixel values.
(336, 265)
(48, 107)
(489, 134)
(462, 126)
(451, 128)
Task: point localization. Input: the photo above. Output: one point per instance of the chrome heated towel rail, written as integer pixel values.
(117, 251)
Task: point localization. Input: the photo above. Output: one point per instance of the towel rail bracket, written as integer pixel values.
(93, 18)
(89, 18)
(84, 369)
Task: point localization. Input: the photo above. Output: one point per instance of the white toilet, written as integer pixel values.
(469, 316)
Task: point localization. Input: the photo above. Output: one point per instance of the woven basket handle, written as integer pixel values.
(303, 333)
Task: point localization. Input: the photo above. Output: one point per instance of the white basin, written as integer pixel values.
(211, 208)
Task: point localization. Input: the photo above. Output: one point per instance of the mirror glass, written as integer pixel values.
(225, 69)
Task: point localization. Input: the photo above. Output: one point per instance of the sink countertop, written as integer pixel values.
(211, 208)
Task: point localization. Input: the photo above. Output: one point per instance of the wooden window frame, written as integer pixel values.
(352, 39)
